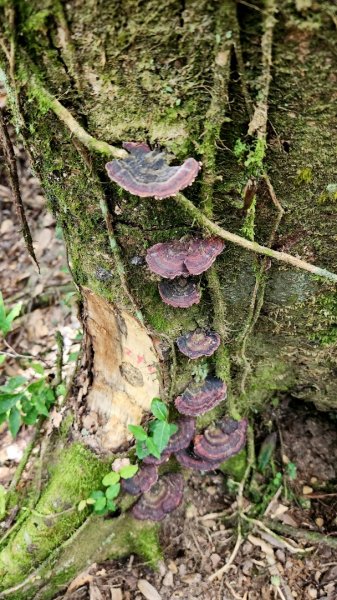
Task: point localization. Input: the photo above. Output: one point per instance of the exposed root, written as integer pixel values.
(220, 572)
(14, 181)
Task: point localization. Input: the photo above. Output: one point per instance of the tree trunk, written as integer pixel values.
(249, 91)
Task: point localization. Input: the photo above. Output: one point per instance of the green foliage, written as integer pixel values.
(103, 502)
(160, 431)
(8, 316)
(200, 371)
(291, 471)
(22, 401)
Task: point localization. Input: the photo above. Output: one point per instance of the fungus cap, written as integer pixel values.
(179, 293)
(143, 481)
(188, 460)
(164, 497)
(182, 438)
(185, 257)
(199, 398)
(146, 173)
(199, 343)
(222, 441)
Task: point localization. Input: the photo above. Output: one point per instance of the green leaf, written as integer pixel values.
(36, 386)
(291, 470)
(113, 491)
(161, 435)
(111, 478)
(266, 452)
(38, 368)
(61, 390)
(13, 383)
(128, 471)
(2, 358)
(7, 401)
(111, 505)
(3, 418)
(82, 505)
(159, 409)
(142, 449)
(173, 428)
(11, 316)
(97, 494)
(31, 417)
(14, 421)
(138, 432)
(90, 501)
(73, 356)
(100, 504)
(151, 446)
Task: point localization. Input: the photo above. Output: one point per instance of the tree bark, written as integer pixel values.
(249, 91)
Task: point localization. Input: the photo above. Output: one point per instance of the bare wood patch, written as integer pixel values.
(125, 371)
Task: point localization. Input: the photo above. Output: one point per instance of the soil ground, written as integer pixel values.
(295, 488)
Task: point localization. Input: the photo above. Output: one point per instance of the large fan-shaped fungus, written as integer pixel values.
(186, 458)
(199, 343)
(199, 398)
(143, 481)
(183, 257)
(163, 498)
(181, 439)
(222, 441)
(180, 293)
(146, 173)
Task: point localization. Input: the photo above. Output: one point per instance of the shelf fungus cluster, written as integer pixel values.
(178, 260)
(146, 173)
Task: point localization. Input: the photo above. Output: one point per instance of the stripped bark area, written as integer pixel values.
(125, 371)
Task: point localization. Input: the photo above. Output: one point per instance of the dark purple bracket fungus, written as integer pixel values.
(182, 438)
(199, 398)
(151, 460)
(143, 481)
(162, 499)
(199, 343)
(187, 459)
(180, 293)
(146, 173)
(183, 257)
(221, 442)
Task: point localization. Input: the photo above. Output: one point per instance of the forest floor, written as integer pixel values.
(294, 487)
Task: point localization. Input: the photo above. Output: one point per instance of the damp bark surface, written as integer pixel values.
(250, 93)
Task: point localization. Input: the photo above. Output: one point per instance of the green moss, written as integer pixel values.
(326, 330)
(73, 475)
(144, 541)
(304, 175)
(235, 467)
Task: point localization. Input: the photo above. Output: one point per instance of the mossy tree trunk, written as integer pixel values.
(249, 91)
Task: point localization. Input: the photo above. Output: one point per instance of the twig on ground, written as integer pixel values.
(14, 181)
(220, 572)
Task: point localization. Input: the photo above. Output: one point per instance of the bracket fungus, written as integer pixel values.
(199, 398)
(187, 459)
(199, 343)
(180, 293)
(143, 481)
(164, 497)
(151, 460)
(146, 173)
(222, 441)
(183, 257)
(182, 438)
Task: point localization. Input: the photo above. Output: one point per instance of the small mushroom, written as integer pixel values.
(186, 458)
(199, 398)
(202, 254)
(199, 343)
(221, 442)
(146, 173)
(182, 438)
(180, 293)
(183, 257)
(143, 481)
(164, 497)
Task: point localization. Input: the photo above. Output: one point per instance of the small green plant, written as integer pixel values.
(160, 431)
(8, 316)
(103, 502)
(200, 371)
(24, 402)
(291, 471)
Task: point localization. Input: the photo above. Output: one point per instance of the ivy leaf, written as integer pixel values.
(14, 421)
(81, 505)
(111, 478)
(97, 494)
(142, 449)
(151, 446)
(128, 471)
(111, 505)
(100, 504)
(113, 491)
(38, 368)
(159, 409)
(173, 428)
(161, 435)
(8, 401)
(138, 432)
(13, 383)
